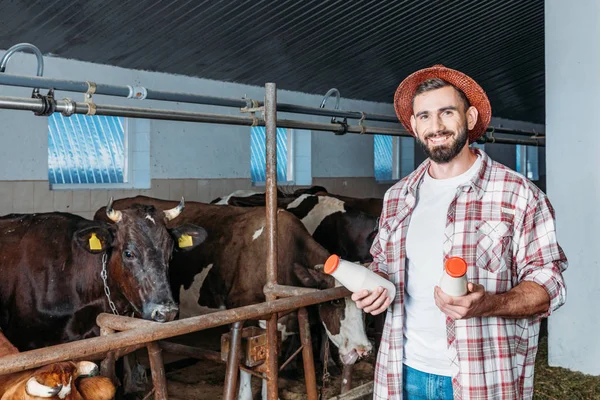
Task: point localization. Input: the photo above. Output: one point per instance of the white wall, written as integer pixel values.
(178, 150)
(572, 104)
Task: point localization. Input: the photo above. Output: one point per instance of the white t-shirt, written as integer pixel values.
(425, 343)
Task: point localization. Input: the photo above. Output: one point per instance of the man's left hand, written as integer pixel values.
(473, 304)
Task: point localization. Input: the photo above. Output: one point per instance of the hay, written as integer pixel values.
(555, 383)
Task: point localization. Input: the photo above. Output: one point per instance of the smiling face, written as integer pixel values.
(441, 118)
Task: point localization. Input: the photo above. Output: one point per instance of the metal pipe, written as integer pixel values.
(347, 378)
(310, 378)
(88, 348)
(190, 351)
(159, 379)
(132, 92)
(288, 291)
(233, 362)
(107, 366)
(271, 225)
(20, 47)
(68, 107)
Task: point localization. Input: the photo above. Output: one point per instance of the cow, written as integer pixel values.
(59, 271)
(369, 205)
(64, 380)
(229, 269)
(333, 223)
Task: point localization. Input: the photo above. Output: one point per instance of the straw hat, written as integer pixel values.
(475, 93)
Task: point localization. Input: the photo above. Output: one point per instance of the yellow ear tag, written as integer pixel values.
(185, 240)
(95, 243)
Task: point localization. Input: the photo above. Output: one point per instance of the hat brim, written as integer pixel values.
(405, 92)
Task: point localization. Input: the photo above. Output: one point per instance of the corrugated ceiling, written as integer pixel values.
(364, 48)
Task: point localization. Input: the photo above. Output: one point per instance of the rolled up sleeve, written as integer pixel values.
(379, 263)
(540, 258)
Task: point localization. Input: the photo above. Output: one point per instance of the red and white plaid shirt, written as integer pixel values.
(503, 226)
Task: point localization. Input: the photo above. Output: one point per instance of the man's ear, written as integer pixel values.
(95, 239)
(188, 236)
(472, 115)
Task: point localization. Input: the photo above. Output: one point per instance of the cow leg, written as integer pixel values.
(245, 392)
(264, 390)
(135, 378)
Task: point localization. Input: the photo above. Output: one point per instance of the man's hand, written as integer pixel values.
(474, 304)
(375, 302)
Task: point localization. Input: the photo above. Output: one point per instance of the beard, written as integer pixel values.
(443, 154)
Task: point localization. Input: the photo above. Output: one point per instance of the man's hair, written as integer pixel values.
(437, 83)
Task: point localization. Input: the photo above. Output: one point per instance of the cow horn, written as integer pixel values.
(36, 389)
(114, 216)
(174, 212)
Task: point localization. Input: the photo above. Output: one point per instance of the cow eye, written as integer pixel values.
(128, 254)
(337, 302)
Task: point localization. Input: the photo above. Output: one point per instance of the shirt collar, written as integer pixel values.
(477, 183)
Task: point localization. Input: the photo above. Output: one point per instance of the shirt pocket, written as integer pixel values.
(494, 246)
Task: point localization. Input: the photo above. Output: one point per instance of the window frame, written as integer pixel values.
(128, 172)
(291, 160)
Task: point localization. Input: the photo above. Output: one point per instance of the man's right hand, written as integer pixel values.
(373, 303)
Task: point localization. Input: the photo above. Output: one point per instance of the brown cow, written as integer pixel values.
(59, 271)
(229, 269)
(63, 380)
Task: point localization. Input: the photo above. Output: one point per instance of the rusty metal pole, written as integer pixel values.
(310, 379)
(233, 362)
(107, 366)
(271, 206)
(159, 379)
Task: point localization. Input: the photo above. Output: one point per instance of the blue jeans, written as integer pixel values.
(424, 386)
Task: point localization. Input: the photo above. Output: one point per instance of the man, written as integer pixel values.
(461, 203)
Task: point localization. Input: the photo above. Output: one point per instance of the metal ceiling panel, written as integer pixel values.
(364, 48)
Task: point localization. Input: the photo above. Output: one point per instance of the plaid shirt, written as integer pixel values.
(503, 226)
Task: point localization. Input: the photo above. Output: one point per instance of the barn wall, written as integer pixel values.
(572, 102)
(200, 161)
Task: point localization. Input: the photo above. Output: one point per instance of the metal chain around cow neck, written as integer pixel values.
(104, 276)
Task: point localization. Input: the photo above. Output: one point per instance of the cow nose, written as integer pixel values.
(163, 312)
(363, 351)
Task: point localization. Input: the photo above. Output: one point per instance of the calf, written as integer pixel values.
(64, 380)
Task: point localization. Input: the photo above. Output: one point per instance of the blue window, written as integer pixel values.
(394, 157)
(86, 150)
(527, 162)
(384, 158)
(258, 165)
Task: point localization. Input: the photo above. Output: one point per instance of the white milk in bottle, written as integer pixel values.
(356, 277)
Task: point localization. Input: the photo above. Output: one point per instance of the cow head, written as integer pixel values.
(139, 246)
(343, 321)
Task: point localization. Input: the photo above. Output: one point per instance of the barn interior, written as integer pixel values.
(536, 60)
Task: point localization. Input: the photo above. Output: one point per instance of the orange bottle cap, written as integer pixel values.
(331, 264)
(456, 267)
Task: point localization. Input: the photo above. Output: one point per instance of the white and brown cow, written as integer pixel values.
(340, 228)
(63, 380)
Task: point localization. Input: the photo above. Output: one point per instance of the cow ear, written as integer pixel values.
(311, 278)
(188, 236)
(95, 239)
